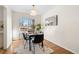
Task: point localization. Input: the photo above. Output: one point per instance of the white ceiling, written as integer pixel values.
(42, 9)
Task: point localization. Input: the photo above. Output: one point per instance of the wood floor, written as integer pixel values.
(57, 49)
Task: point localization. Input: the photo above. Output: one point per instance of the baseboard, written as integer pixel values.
(64, 47)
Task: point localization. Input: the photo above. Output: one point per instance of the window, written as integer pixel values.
(24, 21)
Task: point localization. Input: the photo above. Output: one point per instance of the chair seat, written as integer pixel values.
(37, 40)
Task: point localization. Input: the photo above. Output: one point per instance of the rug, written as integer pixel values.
(38, 50)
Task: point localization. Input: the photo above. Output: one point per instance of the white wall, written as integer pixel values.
(66, 34)
(7, 27)
(16, 17)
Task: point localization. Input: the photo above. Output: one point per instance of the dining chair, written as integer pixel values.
(38, 40)
(26, 38)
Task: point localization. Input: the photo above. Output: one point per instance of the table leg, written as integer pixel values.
(30, 45)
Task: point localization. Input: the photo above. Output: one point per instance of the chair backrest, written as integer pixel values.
(38, 38)
(24, 35)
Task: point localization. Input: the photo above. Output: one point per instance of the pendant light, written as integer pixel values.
(33, 12)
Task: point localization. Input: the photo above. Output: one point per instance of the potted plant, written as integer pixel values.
(38, 28)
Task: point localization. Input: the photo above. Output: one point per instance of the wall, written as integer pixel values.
(7, 27)
(16, 16)
(66, 34)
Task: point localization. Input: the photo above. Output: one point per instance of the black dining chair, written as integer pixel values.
(38, 40)
(26, 38)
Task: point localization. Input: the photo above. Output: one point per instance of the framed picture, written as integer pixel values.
(51, 21)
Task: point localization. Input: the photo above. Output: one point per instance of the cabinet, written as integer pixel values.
(1, 34)
(1, 39)
(1, 26)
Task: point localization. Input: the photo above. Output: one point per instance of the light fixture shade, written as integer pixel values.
(33, 11)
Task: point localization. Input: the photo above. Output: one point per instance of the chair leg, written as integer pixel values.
(33, 48)
(25, 44)
(43, 46)
(39, 45)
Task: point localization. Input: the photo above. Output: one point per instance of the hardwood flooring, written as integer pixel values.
(57, 49)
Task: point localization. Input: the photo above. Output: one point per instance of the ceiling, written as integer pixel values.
(42, 9)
